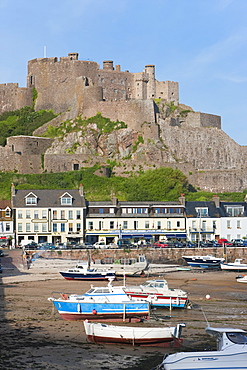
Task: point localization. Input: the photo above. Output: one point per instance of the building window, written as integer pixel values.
(36, 227)
(7, 212)
(31, 200)
(70, 215)
(194, 224)
(125, 224)
(78, 215)
(168, 225)
(62, 227)
(19, 214)
(124, 210)
(70, 227)
(101, 210)
(159, 225)
(54, 228)
(36, 214)
(157, 210)
(203, 225)
(101, 225)
(238, 224)
(28, 214)
(54, 215)
(139, 210)
(228, 237)
(111, 224)
(145, 210)
(44, 228)
(66, 200)
(19, 228)
(202, 212)
(112, 210)
(76, 166)
(28, 227)
(178, 223)
(214, 225)
(78, 227)
(62, 215)
(44, 213)
(235, 211)
(146, 224)
(7, 227)
(228, 224)
(129, 210)
(90, 225)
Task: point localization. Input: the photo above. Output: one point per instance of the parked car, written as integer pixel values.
(238, 242)
(213, 244)
(224, 242)
(161, 244)
(47, 246)
(112, 245)
(1, 253)
(100, 245)
(61, 246)
(87, 245)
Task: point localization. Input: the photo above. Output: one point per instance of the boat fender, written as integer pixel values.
(94, 312)
(65, 297)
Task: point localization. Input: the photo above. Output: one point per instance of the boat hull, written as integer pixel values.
(74, 311)
(147, 336)
(194, 261)
(214, 360)
(88, 276)
(232, 267)
(161, 301)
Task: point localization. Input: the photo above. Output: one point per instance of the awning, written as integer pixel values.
(176, 235)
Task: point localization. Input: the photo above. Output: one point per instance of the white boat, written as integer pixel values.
(126, 266)
(138, 335)
(231, 353)
(84, 272)
(237, 265)
(242, 279)
(207, 261)
(159, 294)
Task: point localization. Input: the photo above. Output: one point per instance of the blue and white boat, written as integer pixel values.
(207, 261)
(101, 303)
(231, 353)
(84, 272)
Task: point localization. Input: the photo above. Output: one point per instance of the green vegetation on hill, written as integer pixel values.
(22, 122)
(153, 185)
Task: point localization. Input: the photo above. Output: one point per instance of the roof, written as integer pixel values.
(47, 198)
(5, 203)
(213, 211)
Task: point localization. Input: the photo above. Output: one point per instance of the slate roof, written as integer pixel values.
(5, 203)
(48, 198)
(233, 204)
(212, 210)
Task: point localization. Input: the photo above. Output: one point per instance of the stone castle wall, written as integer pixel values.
(13, 97)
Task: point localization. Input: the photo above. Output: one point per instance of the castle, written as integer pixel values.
(72, 87)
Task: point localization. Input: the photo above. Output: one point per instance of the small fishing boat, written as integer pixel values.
(207, 261)
(159, 294)
(125, 266)
(242, 279)
(84, 272)
(231, 353)
(138, 335)
(237, 265)
(100, 303)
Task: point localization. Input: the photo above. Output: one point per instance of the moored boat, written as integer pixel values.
(126, 266)
(138, 335)
(231, 353)
(101, 303)
(159, 294)
(206, 261)
(83, 272)
(237, 265)
(242, 279)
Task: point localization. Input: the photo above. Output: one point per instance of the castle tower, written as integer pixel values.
(108, 64)
(151, 91)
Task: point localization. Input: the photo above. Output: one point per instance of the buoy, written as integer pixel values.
(94, 312)
(65, 297)
(208, 296)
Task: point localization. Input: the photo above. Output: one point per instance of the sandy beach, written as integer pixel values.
(34, 336)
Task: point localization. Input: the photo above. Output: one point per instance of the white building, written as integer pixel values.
(53, 216)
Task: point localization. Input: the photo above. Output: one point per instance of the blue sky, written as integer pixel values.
(202, 44)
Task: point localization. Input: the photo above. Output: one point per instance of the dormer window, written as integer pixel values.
(202, 212)
(7, 212)
(66, 199)
(31, 199)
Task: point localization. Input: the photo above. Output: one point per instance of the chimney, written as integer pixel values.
(12, 189)
(182, 199)
(216, 201)
(81, 190)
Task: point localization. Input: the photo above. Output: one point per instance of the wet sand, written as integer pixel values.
(33, 336)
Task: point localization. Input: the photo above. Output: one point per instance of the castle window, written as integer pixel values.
(76, 166)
